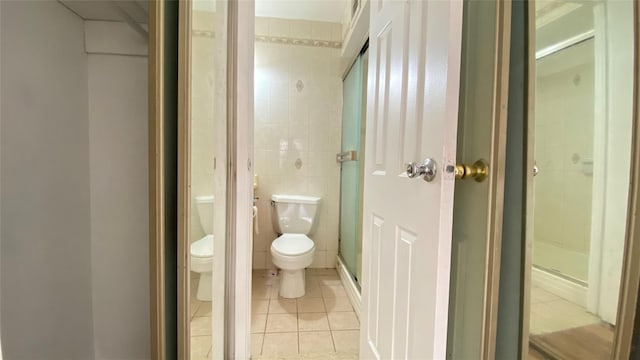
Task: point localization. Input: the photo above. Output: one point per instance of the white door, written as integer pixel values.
(414, 76)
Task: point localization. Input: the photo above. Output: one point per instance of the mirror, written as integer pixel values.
(583, 126)
(207, 220)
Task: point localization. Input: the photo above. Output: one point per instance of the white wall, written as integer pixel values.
(619, 113)
(298, 115)
(46, 249)
(119, 191)
(74, 186)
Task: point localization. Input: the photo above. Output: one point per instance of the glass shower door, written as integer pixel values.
(350, 176)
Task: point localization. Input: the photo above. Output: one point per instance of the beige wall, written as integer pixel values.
(298, 105)
(564, 154)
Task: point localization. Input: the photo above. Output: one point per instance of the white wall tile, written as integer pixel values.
(319, 259)
(301, 91)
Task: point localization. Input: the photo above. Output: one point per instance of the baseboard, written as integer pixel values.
(350, 286)
(559, 286)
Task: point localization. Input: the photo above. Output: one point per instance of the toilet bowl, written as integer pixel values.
(293, 218)
(202, 262)
(292, 253)
(202, 250)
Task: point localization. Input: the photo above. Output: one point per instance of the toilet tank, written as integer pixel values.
(294, 214)
(204, 206)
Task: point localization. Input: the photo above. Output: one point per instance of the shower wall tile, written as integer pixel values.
(298, 114)
(202, 114)
(563, 189)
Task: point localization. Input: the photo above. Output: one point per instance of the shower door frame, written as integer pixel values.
(630, 278)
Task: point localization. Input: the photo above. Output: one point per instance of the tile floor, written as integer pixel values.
(200, 324)
(322, 324)
(551, 313)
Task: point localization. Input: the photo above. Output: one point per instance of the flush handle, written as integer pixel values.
(427, 169)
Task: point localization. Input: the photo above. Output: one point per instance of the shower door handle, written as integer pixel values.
(350, 155)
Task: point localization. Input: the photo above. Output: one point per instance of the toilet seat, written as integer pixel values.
(202, 248)
(292, 245)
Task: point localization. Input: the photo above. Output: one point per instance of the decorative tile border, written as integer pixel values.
(299, 42)
(278, 40)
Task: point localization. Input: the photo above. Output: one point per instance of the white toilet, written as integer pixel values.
(202, 250)
(293, 217)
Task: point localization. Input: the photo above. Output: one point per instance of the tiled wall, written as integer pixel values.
(564, 153)
(298, 105)
(202, 114)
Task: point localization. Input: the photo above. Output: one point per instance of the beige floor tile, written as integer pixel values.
(261, 293)
(310, 305)
(201, 325)
(338, 304)
(312, 292)
(540, 295)
(259, 306)
(256, 344)
(323, 272)
(282, 323)
(204, 309)
(312, 322)
(282, 306)
(343, 321)
(346, 340)
(329, 280)
(274, 291)
(193, 306)
(193, 287)
(280, 344)
(200, 347)
(333, 291)
(258, 323)
(316, 342)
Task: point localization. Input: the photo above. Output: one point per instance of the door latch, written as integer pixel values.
(478, 171)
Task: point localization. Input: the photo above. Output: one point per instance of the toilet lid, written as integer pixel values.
(292, 244)
(202, 247)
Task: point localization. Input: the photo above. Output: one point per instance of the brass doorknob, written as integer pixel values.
(479, 171)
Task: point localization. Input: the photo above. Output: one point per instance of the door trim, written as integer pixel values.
(628, 300)
(156, 183)
(497, 176)
(184, 177)
(529, 162)
(240, 177)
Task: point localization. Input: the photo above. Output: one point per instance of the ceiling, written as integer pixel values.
(316, 10)
(109, 10)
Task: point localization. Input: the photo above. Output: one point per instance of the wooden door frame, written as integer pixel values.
(184, 177)
(156, 183)
(628, 300)
(630, 278)
(495, 204)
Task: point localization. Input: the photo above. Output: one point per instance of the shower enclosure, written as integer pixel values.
(351, 176)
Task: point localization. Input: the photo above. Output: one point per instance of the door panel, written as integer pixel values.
(412, 111)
